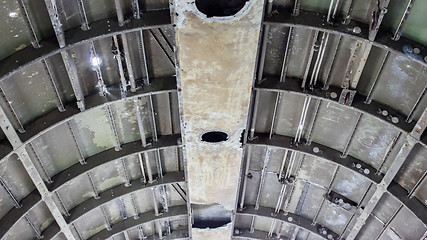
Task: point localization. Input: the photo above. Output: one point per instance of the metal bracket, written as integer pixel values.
(346, 97)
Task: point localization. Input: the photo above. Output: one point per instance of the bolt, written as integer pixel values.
(357, 30)
(394, 120)
(384, 113)
(316, 150)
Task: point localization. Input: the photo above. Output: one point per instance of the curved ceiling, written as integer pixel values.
(102, 102)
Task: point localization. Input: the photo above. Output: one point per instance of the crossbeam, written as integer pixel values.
(405, 150)
(36, 178)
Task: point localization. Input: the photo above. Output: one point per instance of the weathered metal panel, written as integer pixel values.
(216, 58)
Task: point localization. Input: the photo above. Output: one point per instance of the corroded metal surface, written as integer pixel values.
(216, 58)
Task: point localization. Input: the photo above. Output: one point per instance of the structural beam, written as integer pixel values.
(47, 196)
(420, 126)
(248, 234)
(35, 176)
(355, 30)
(54, 15)
(327, 153)
(405, 150)
(76, 36)
(51, 231)
(95, 101)
(377, 18)
(292, 85)
(412, 203)
(99, 159)
(349, 162)
(216, 59)
(34, 198)
(120, 191)
(289, 218)
(147, 217)
(12, 217)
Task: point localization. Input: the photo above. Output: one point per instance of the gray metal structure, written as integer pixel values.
(91, 144)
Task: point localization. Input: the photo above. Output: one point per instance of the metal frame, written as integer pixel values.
(21, 151)
(334, 156)
(354, 29)
(292, 86)
(290, 218)
(36, 178)
(147, 217)
(109, 155)
(76, 36)
(55, 118)
(15, 214)
(405, 150)
(119, 191)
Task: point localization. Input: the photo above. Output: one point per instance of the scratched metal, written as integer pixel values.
(401, 79)
(333, 116)
(298, 54)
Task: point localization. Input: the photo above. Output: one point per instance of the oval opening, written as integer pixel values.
(220, 8)
(214, 137)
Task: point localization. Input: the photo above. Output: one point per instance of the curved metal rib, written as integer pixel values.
(333, 156)
(147, 217)
(110, 155)
(53, 230)
(54, 118)
(247, 234)
(325, 152)
(355, 30)
(95, 161)
(99, 29)
(119, 191)
(289, 218)
(13, 216)
(293, 85)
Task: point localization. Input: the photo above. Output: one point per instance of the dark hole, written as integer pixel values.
(210, 216)
(214, 137)
(220, 8)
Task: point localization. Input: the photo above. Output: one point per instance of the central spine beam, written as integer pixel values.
(216, 58)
